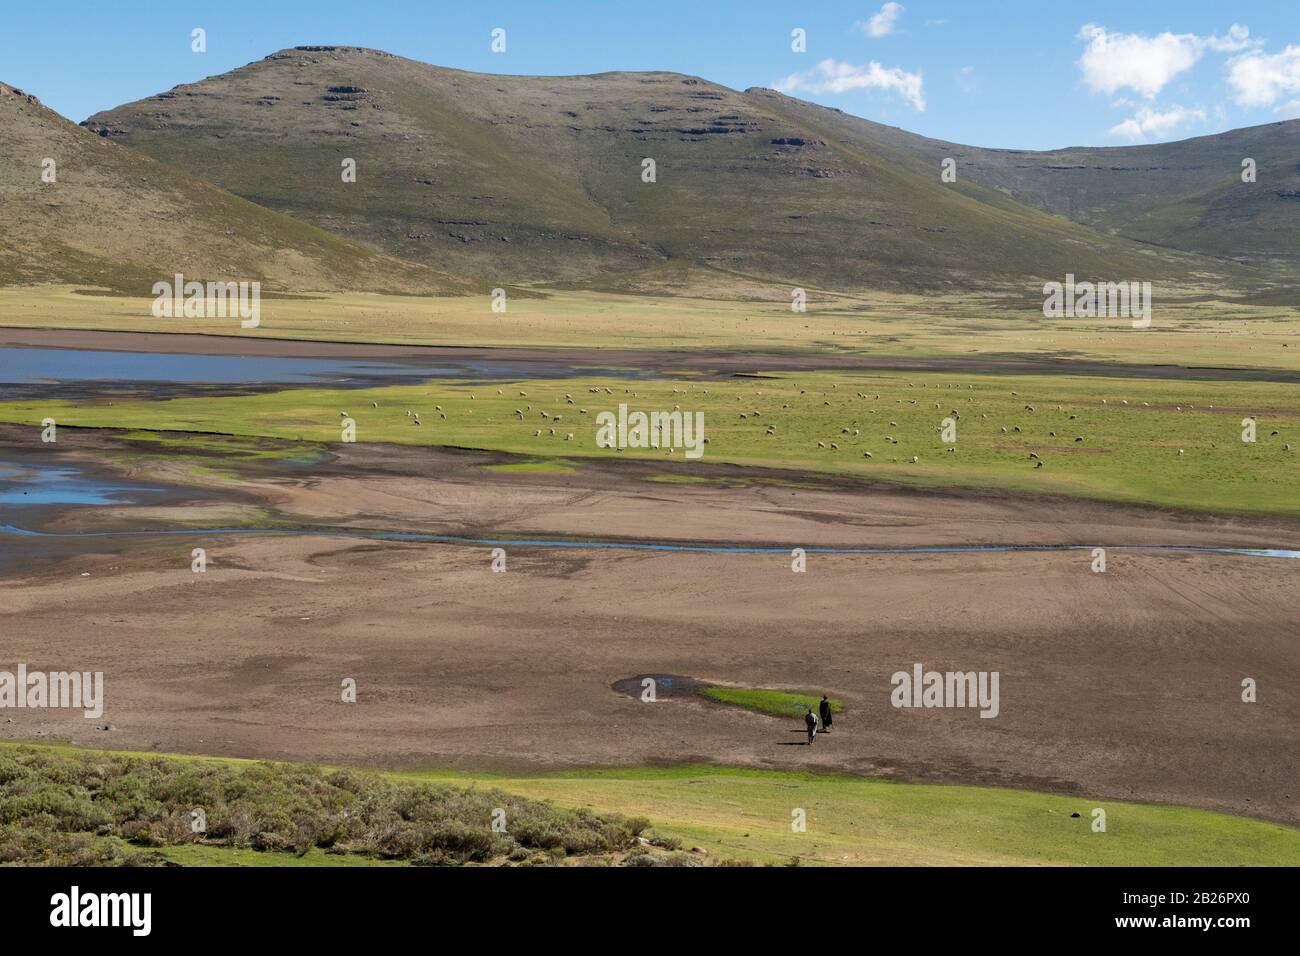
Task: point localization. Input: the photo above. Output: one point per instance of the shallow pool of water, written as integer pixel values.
(26, 483)
(34, 367)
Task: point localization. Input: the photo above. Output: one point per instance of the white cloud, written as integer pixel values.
(1237, 39)
(1259, 79)
(969, 81)
(1289, 110)
(832, 76)
(1149, 122)
(882, 24)
(1146, 64)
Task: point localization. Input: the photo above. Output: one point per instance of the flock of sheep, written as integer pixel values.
(848, 433)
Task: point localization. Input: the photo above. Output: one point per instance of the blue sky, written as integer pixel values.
(1008, 73)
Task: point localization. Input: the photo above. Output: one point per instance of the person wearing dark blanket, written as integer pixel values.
(810, 721)
(826, 714)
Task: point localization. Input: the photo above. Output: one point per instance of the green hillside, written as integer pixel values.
(117, 218)
(539, 179)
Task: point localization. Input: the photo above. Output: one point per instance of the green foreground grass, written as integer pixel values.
(1162, 442)
(97, 807)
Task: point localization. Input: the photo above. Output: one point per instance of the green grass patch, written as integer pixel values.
(1104, 438)
(226, 446)
(777, 703)
(744, 814)
(55, 798)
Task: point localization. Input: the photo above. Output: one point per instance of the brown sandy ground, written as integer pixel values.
(1123, 685)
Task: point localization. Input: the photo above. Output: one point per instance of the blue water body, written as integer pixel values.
(40, 366)
(26, 366)
(34, 484)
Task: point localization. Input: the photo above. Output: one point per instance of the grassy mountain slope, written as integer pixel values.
(1185, 195)
(539, 179)
(117, 218)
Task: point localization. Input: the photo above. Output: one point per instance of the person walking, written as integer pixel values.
(826, 714)
(810, 721)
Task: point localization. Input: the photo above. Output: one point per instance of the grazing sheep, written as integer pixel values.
(1180, 453)
(569, 437)
(1038, 464)
(915, 459)
(835, 446)
(374, 404)
(1033, 456)
(538, 433)
(1079, 438)
(821, 444)
(866, 454)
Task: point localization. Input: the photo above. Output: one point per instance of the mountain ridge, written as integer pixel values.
(538, 180)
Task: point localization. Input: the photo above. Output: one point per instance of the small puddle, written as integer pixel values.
(25, 483)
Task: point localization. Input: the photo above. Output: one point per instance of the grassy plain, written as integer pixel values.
(1164, 442)
(50, 794)
(1194, 331)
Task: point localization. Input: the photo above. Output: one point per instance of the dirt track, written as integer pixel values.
(1124, 684)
